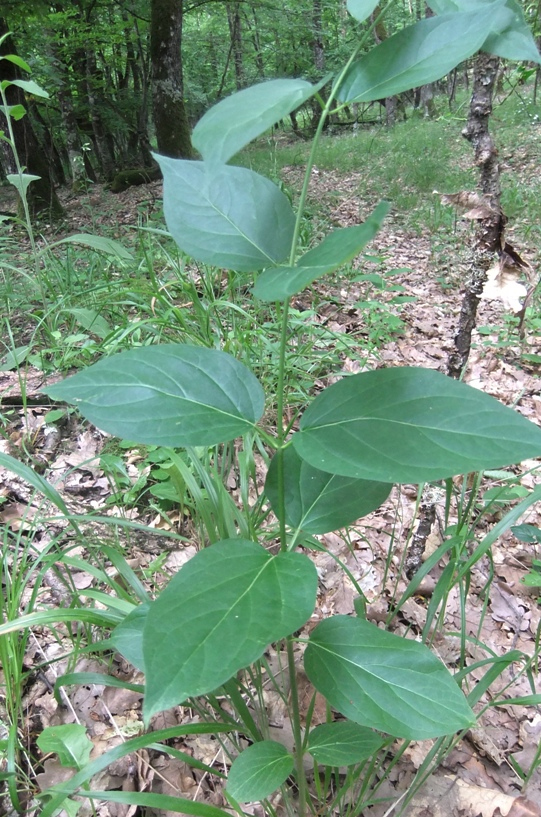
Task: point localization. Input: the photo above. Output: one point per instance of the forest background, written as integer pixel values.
(125, 76)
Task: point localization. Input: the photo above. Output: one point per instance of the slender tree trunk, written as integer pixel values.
(489, 232)
(69, 121)
(253, 28)
(41, 195)
(170, 117)
(426, 95)
(318, 48)
(391, 103)
(235, 32)
(104, 151)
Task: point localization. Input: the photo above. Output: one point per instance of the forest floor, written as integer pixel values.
(411, 326)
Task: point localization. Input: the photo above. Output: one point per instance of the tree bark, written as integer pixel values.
(391, 103)
(235, 32)
(488, 239)
(104, 152)
(170, 117)
(41, 195)
(318, 47)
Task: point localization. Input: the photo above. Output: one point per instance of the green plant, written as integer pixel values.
(205, 635)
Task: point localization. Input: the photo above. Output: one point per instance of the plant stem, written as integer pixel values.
(296, 725)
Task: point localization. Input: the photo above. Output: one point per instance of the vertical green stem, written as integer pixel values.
(296, 725)
(281, 426)
(24, 200)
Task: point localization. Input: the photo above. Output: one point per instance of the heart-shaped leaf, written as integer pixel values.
(336, 249)
(69, 741)
(218, 614)
(361, 9)
(418, 54)
(229, 217)
(378, 679)
(233, 122)
(317, 501)
(173, 395)
(343, 743)
(411, 425)
(259, 770)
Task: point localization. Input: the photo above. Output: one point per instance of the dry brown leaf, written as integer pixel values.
(444, 796)
(477, 206)
(511, 258)
(503, 284)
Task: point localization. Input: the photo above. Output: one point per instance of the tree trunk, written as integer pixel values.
(256, 42)
(170, 117)
(391, 103)
(41, 195)
(235, 32)
(318, 48)
(489, 232)
(69, 122)
(104, 151)
(426, 95)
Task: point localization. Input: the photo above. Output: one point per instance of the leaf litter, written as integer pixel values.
(502, 614)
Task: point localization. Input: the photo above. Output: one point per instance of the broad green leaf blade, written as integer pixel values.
(233, 122)
(319, 502)
(14, 358)
(343, 743)
(511, 39)
(172, 395)
(514, 41)
(380, 680)
(14, 58)
(30, 87)
(69, 741)
(21, 181)
(16, 112)
(127, 637)
(90, 320)
(258, 771)
(95, 242)
(337, 248)
(361, 9)
(418, 54)
(411, 425)
(218, 614)
(231, 218)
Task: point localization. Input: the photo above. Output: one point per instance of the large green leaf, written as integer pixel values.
(317, 501)
(380, 680)
(259, 770)
(419, 54)
(218, 614)
(512, 41)
(233, 122)
(343, 743)
(30, 87)
(229, 217)
(127, 637)
(361, 9)
(172, 395)
(337, 248)
(411, 425)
